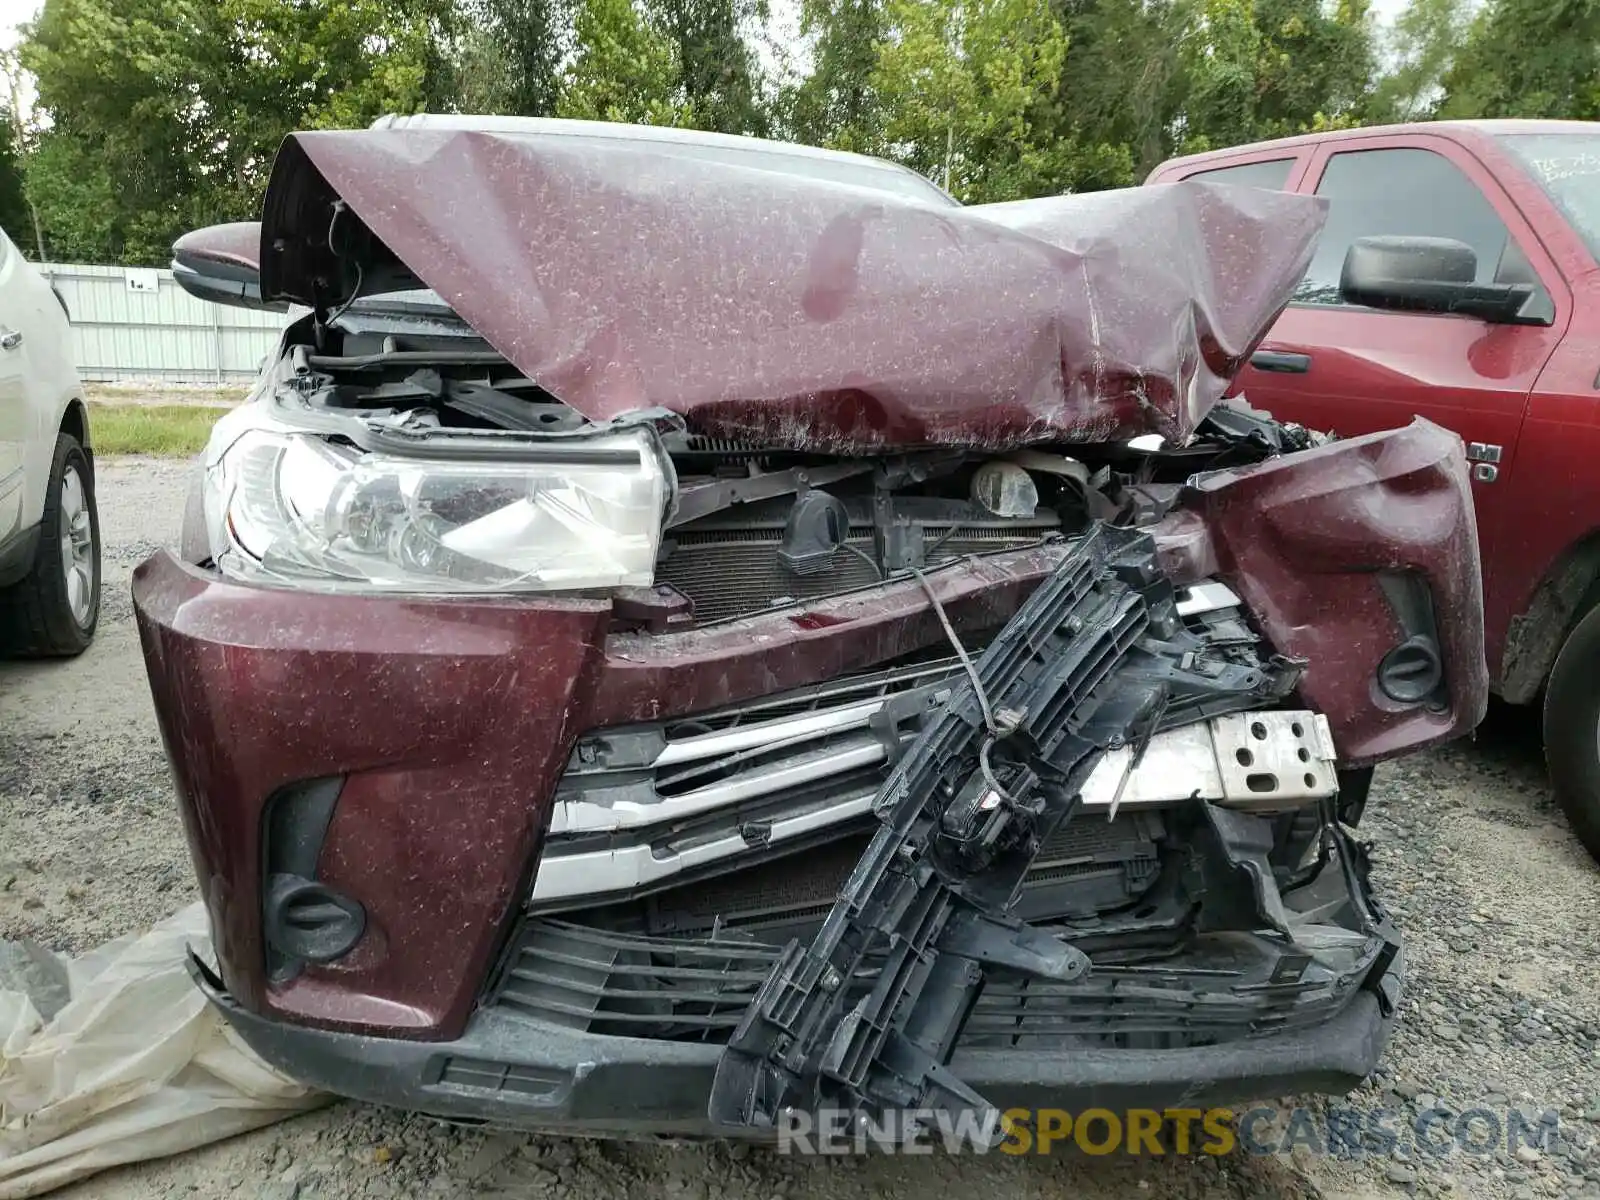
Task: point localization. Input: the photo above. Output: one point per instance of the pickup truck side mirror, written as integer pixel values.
(1428, 274)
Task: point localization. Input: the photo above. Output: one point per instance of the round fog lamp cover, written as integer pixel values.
(1412, 671)
(310, 921)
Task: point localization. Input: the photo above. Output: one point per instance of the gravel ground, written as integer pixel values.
(1501, 908)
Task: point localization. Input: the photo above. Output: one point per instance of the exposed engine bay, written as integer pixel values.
(758, 527)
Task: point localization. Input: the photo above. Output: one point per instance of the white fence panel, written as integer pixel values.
(134, 323)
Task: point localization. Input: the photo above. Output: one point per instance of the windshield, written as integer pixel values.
(1567, 167)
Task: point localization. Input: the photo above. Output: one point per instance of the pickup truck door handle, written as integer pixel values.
(10, 339)
(1280, 362)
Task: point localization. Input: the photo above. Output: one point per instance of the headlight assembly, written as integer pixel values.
(299, 510)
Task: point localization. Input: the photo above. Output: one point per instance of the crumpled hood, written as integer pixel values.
(793, 311)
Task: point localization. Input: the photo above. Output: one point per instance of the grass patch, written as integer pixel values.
(172, 430)
(155, 392)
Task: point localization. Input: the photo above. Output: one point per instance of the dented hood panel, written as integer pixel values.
(769, 306)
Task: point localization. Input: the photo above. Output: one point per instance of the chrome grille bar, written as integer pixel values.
(662, 802)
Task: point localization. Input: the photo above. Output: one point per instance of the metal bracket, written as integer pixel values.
(1246, 841)
(1003, 942)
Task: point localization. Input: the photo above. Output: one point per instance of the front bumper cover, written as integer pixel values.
(515, 1072)
(869, 1018)
(449, 722)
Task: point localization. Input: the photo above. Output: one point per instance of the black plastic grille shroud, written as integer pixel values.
(697, 989)
(734, 573)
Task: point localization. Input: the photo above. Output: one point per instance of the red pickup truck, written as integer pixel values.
(1458, 278)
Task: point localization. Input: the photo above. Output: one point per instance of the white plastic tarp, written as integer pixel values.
(134, 1065)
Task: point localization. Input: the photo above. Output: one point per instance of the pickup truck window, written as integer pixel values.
(1273, 174)
(1567, 167)
(1400, 191)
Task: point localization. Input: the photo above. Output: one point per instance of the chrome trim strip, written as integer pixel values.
(746, 737)
(587, 816)
(1207, 596)
(603, 872)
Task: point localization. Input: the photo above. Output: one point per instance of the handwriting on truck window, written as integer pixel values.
(1559, 167)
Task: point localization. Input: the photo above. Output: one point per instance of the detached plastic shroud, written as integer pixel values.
(1097, 658)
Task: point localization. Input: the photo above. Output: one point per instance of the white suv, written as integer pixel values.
(49, 530)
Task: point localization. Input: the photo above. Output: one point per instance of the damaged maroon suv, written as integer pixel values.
(690, 630)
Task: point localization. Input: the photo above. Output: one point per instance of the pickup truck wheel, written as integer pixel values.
(53, 611)
(1572, 730)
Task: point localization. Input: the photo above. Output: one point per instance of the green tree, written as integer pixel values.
(624, 69)
(966, 88)
(1222, 57)
(717, 71)
(1318, 63)
(1122, 85)
(485, 76)
(1270, 68)
(526, 43)
(677, 61)
(166, 114)
(329, 64)
(1528, 58)
(85, 218)
(16, 213)
(1422, 45)
(14, 217)
(837, 104)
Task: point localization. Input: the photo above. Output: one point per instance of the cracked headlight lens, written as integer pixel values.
(298, 510)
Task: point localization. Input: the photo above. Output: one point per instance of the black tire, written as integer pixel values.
(36, 617)
(1572, 730)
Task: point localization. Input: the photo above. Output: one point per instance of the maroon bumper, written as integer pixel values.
(1304, 539)
(451, 720)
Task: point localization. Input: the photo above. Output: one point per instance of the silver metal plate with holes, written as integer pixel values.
(1485, 472)
(1260, 761)
(1486, 452)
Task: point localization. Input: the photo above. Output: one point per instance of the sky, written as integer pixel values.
(12, 14)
